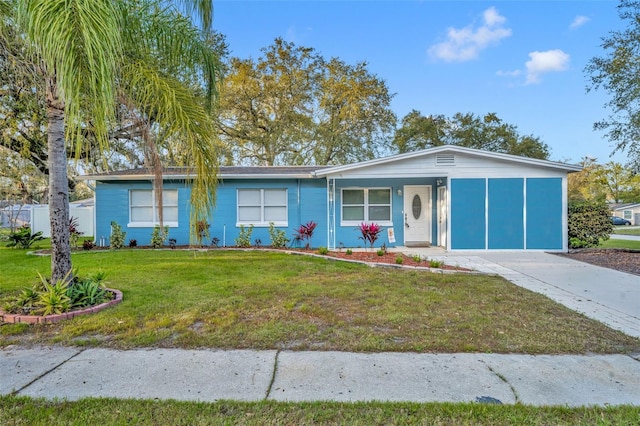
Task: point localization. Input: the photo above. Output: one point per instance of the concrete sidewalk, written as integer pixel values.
(246, 375)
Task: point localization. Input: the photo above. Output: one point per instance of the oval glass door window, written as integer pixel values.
(416, 205)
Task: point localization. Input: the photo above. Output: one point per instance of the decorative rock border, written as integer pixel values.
(52, 319)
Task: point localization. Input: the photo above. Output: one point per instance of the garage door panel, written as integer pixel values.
(506, 214)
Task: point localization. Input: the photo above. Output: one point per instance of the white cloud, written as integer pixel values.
(514, 73)
(579, 21)
(544, 62)
(466, 43)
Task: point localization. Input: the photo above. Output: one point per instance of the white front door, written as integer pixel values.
(442, 216)
(417, 215)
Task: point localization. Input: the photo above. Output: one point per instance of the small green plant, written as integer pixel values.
(159, 236)
(53, 299)
(23, 238)
(278, 236)
(435, 263)
(74, 232)
(323, 251)
(117, 236)
(349, 252)
(399, 259)
(380, 252)
(244, 237)
(88, 292)
(416, 258)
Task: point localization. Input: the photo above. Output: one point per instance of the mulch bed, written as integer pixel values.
(619, 259)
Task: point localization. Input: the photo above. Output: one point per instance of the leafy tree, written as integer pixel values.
(616, 72)
(291, 106)
(610, 182)
(93, 51)
(489, 133)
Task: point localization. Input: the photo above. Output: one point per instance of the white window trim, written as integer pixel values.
(366, 207)
(151, 224)
(263, 223)
(624, 214)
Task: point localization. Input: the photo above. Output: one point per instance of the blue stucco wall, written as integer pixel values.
(506, 214)
(348, 236)
(468, 226)
(307, 200)
(544, 214)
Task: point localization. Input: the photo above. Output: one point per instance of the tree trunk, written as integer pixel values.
(58, 185)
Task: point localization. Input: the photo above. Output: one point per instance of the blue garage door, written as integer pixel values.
(506, 214)
(544, 213)
(468, 214)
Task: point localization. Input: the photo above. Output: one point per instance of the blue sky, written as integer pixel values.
(523, 60)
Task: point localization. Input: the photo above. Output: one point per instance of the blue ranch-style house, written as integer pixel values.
(453, 197)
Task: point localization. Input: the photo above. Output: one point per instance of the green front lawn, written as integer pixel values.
(621, 244)
(625, 230)
(265, 300)
(121, 412)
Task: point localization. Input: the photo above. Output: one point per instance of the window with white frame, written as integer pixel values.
(366, 205)
(143, 210)
(628, 214)
(260, 206)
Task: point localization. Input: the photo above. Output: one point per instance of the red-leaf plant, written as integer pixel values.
(305, 232)
(370, 233)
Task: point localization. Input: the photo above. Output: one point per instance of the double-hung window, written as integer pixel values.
(259, 207)
(143, 210)
(366, 205)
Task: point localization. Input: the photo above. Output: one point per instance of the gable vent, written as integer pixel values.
(445, 159)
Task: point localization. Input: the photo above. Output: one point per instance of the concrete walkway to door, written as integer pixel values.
(609, 296)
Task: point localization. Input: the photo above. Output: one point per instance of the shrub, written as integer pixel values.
(370, 233)
(159, 236)
(588, 224)
(435, 263)
(23, 238)
(44, 298)
(258, 242)
(202, 230)
(117, 236)
(416, 258)
(278, 236)
(215, 241)
(244, 237)
(349, 252)
(88, 245)
(399, 259)
(133, 243)
(304, 233)
(323, 251)
(74, 232)
(380, 252)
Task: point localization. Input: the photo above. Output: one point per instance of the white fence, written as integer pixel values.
(38, 217)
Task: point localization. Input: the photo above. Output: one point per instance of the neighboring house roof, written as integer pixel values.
(624, 206)
(236, 172)
(453, 149)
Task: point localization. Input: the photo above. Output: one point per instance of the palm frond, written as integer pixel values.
(173, 107)
(79, 43)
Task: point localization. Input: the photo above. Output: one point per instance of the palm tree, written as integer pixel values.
(93, 54)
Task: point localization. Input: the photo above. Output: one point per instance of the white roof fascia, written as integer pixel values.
(454, 149)
(189, 177)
